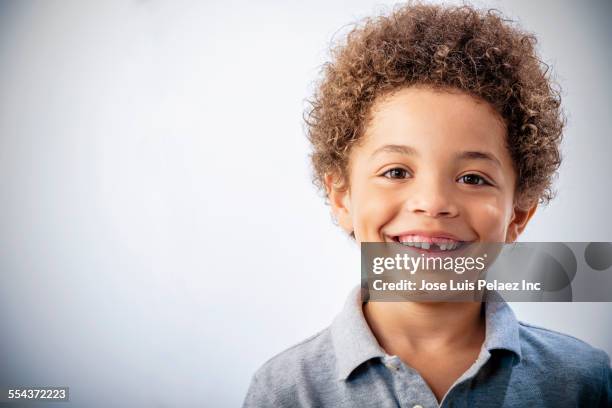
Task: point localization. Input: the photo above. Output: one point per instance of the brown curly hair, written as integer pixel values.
(475, 51)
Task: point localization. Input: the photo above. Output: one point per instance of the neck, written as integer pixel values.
(422, 326)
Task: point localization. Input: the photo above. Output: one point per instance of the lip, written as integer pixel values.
(431, 237)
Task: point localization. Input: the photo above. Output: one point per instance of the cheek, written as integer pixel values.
(489, 218)
(371, 212)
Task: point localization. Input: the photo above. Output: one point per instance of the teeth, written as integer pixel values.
(447, 246)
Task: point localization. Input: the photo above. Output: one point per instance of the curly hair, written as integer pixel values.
(474, 51)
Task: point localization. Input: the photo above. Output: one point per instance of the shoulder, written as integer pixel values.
(284, 379)
(564, 359)
(314, 352)
(553, 345)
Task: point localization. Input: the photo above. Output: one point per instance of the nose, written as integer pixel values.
(432, 197)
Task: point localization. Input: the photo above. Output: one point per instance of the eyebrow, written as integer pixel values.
(475, 155)
(403, 149)
(411, 151)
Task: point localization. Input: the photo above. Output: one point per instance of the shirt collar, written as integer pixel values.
(502, 328)
(352, 338)
(355, 344)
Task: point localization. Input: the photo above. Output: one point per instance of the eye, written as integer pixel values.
(473, 179)
(396, 173)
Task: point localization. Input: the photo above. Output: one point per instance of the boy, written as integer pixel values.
(434, 124)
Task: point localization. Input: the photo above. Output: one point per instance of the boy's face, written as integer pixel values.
(432, 166)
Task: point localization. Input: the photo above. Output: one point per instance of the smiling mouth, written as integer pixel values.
(430, 244)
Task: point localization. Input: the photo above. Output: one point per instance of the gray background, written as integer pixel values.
(159, 236)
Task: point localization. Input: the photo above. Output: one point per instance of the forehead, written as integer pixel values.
(425, 117)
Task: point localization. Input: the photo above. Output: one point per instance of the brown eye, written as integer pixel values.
(396, 173)
(473, 179)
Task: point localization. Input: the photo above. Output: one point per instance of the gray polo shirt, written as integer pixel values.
(519, 366)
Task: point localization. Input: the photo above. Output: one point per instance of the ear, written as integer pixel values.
(340, 201)
(519, 221)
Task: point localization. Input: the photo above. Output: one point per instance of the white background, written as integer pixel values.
(159, 235)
